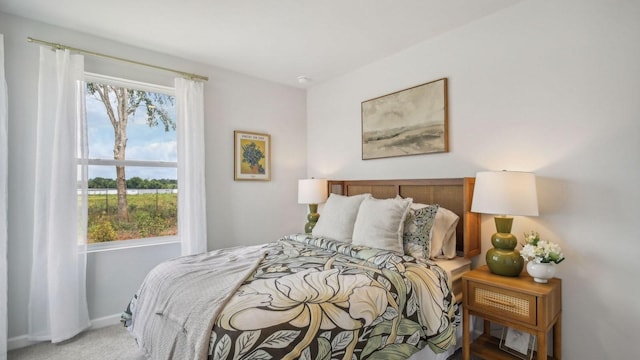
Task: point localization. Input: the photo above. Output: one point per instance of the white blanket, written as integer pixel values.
(180, 299)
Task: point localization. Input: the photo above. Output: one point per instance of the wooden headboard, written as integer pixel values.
(453, 194)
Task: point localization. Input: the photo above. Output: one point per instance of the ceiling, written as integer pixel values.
(276, 40)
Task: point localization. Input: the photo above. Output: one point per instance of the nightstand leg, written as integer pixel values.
(542, 345)
(557, 338)
(466, 336)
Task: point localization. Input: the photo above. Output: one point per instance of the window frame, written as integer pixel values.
(142, 242)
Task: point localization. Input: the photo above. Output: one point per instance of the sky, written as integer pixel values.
(143, 143)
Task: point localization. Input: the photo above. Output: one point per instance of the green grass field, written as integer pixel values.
(150, 215)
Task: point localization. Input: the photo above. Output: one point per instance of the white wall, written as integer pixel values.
(546, 86)
(237, 212)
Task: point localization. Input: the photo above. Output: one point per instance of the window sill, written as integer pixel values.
(130, 244)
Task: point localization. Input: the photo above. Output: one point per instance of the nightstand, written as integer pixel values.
(516, 302)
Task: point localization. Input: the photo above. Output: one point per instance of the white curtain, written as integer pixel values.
(4, 160)
(57, 302)
(192, 216)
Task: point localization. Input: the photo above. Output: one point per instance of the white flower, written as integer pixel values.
(531, 237)
(528, 252)
(540, 251)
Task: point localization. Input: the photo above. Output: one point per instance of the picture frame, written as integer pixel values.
(412, 121)
(252, 156)
(517, 343)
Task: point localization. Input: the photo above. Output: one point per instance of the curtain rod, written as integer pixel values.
(70, 48)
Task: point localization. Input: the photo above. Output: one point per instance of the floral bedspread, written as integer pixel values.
(321, 299)
(314, 298)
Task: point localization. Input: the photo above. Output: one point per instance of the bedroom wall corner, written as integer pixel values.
(251, 212)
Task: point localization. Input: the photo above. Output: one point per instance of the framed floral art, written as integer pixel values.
(252, 156)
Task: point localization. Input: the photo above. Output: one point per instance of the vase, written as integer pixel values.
(541, 272)
(503, 259)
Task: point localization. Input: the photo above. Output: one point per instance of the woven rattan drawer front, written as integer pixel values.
(502, 302)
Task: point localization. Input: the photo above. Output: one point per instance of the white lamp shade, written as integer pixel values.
(312, 191)
(505, 193)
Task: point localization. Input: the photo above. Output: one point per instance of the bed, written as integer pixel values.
(313, 296)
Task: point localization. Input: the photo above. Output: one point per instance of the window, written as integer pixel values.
(132, 160)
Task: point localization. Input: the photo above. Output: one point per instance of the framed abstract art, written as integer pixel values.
(407, 122)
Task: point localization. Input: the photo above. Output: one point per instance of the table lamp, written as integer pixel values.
(313, 192)
(505, 193)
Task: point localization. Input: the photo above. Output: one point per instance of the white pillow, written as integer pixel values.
(380, 222)
(338, 217)
(449, 250)
(443, 234)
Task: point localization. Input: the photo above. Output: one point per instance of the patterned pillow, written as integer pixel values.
(417, 231)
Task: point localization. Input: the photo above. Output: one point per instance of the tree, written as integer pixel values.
(136, 183)
(101, 183)
(121, 105)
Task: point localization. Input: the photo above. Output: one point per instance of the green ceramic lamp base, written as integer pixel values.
(312, 218)
(503, 259)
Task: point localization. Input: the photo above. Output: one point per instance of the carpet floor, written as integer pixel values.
(107, 343)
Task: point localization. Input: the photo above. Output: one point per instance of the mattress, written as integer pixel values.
(454, 268)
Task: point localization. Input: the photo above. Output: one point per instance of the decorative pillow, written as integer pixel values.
(417, 230)
(443, 234)
(338, 217)
(380, 222)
